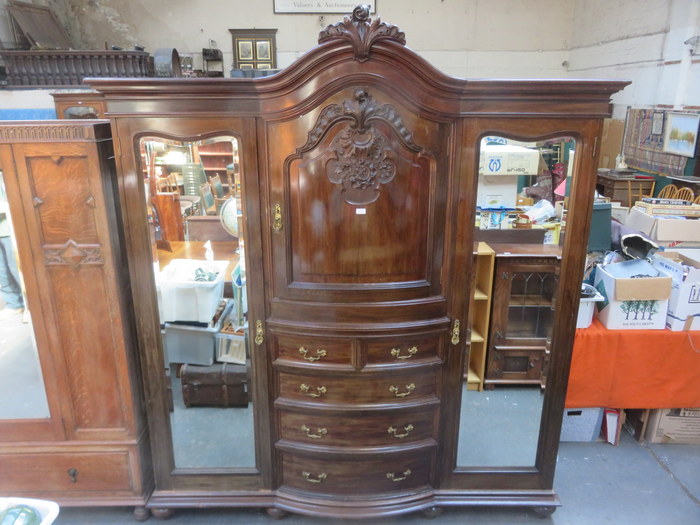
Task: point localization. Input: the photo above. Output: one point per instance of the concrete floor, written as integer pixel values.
(633, 483)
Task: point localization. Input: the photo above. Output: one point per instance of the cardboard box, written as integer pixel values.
(611, 142)
(632, 303)
(668, 232)
(507, 159)
(674, 425)
(692, 210)
(497, 191)
(619, 212)
(684, 302)
(581, 424)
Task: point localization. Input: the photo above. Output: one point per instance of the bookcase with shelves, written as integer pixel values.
(480, 314)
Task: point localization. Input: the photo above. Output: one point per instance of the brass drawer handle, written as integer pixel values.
(395, 352)
(320, 432)
(319, 353)
(407, 431)
(395, 390)
(394, 477)
(320, 390)
(317, 479)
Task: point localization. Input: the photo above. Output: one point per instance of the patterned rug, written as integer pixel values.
(643, 143)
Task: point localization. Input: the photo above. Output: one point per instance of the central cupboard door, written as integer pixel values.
(357, 303)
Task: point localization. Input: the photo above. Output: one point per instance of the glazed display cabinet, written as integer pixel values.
(524, 309)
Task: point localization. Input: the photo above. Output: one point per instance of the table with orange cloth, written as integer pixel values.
(634, 369)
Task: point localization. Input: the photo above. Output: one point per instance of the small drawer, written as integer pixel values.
(65, 472)
(420, 384)
(402, 349)
(378, 428)
(321, 351)
(365, 474)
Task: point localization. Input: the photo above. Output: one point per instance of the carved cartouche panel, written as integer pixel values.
(360, 184)
(363, 157)
(362, 32)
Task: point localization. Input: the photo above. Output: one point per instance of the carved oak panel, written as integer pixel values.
(60, 183)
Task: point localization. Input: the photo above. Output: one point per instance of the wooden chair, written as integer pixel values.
(635, 191)
(685, 194)
(218, 190)
(208, 203)
(668, 192)
(697, 200)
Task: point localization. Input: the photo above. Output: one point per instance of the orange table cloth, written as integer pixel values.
(634, 369)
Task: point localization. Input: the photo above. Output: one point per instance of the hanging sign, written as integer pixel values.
(316, 6)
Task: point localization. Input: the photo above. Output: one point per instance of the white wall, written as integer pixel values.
(641, 41)
(474, 38)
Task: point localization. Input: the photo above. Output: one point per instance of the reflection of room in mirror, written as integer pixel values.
(21, 383)
(196, 221)
(515, 283)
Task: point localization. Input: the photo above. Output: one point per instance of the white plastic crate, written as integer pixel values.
(194, 345)
(184, 299)
(581, 424)
(587, 305)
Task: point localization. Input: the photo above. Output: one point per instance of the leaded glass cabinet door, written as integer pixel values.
(525, 285)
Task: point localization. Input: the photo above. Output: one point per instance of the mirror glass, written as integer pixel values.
(194, 204)
(520, 209)
(21, 383)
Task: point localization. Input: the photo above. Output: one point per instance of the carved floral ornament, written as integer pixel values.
(362, 155)
(362, 32)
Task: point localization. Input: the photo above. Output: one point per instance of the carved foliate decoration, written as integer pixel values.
(72, 254)
(362, 153)
(362, 32)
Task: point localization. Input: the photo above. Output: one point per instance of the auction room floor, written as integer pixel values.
(633, 483)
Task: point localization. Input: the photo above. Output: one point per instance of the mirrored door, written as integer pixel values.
(520, 214)
(195, 218)
(22, 389)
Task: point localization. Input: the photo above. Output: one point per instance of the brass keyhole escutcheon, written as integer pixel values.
(259, 333)
(73, 475)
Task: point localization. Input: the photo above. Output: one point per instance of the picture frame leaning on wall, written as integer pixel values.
(681, 133)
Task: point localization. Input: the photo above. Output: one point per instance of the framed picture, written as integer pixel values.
(254, 48)
(245, 50)
(681, 134)
(262, 49)
(657, 123)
